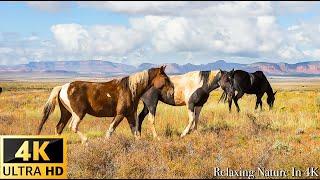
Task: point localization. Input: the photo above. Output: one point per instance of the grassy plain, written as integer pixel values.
(286, 137)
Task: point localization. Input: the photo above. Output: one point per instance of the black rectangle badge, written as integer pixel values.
(33, 157)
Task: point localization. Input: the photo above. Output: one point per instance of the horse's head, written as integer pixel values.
(161, 79)
(271, 98)
(226, 82)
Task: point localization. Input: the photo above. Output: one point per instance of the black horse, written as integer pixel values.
(0, 90)
(250, 83)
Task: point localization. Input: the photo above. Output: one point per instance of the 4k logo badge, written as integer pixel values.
(33, 157)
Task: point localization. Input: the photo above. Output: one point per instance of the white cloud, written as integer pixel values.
(315, 53)
(71, 37)
(49, 6)
(290, 53)
(235, 28)
(174, 8)
(223, 33)
(98, 40)
(302, 41)
(289, 7)
(306, 33)
(32, 38)
(139, 7)
(16, 49)
(5, 50)
(170, 30)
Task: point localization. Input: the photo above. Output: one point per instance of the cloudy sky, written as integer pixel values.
(159, 32)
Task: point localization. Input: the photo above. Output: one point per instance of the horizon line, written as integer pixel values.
(160, 63)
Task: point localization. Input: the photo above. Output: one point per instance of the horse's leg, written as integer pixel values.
(142, 115)
(152, 115)
(191, 119)
(115, 122)
(236, 98)
(132, 120)
(230, 104)
(65, 116)
(136, 120)
(76, 119)
(150, 100)
(259, 101)
(197, 114)
(223, 97)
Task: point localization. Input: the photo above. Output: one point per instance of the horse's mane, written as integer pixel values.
(208, 77)
(138, 79)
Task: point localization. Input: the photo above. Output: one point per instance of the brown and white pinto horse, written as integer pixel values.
(116, 98)
(191, 89)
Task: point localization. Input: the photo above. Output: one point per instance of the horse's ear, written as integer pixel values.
(220, 70)
(232, 72)
(275, 93)
(163, 67)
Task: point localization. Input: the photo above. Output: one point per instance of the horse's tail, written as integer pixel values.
(49, 106)
(223, 96)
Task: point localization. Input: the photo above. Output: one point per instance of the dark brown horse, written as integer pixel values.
(250, 83)
(116, 98)
(0, 90)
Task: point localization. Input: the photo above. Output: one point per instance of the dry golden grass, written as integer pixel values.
(286, 137)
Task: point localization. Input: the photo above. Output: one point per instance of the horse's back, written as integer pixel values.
(93, 89)
(258, 82)
(184, 86)
(250, 83)
(242, 79)
(94, 97)
(259, 74)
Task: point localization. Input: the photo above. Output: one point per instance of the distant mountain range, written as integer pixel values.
(107, 68)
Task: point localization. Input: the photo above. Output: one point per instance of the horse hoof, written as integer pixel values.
(196, 132)
(137, 133)
(108, 135)
(157, 138)
(85, 143)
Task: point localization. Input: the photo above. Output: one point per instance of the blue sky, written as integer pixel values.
(159, 32)
(18, 16)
